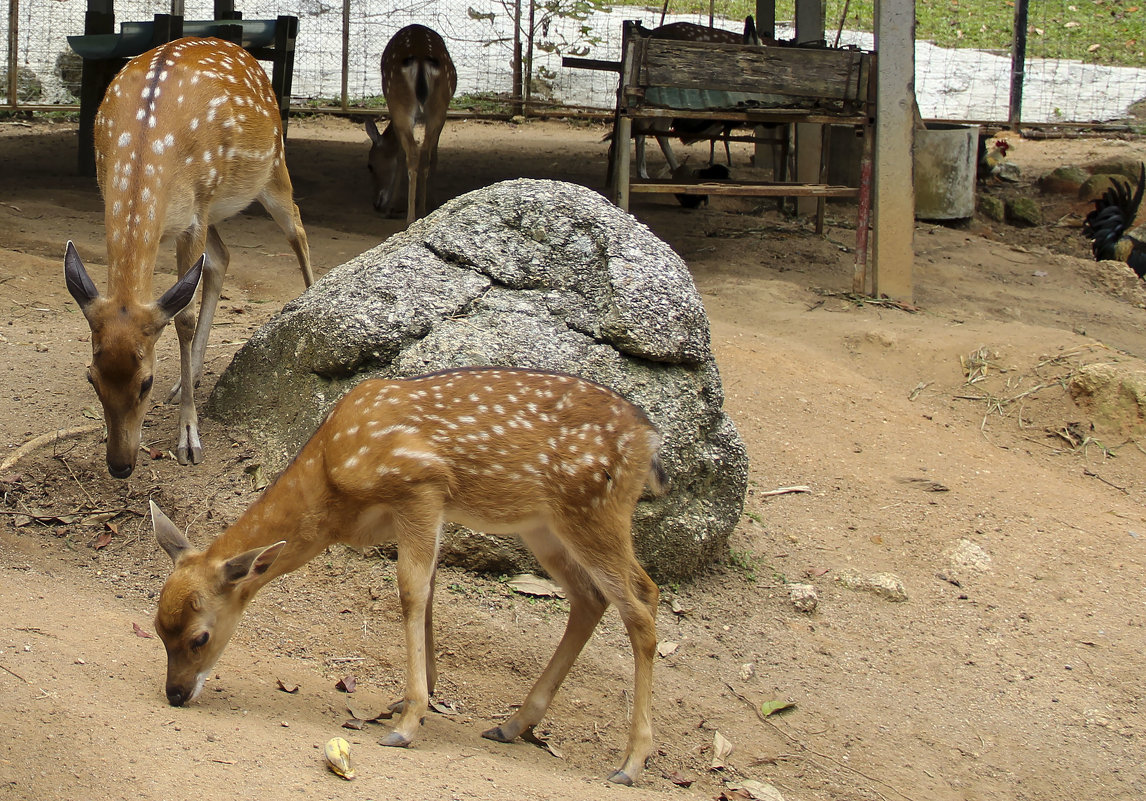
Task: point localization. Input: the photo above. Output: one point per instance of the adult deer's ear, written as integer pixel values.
(170, 538)
(79, 283)
(180, 295)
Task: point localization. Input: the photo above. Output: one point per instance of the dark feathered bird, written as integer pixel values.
(1109, 225)
(713, 172)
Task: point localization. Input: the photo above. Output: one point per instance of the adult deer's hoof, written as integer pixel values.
(395, 740)
(620, 777)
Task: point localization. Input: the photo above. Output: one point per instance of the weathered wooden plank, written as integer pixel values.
(751, 117)
(826, 74)
(769, 189)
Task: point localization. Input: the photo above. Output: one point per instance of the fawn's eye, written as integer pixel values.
(201, 640)
(145, 387)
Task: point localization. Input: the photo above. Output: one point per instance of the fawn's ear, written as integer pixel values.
(170, 538)
(252, 564)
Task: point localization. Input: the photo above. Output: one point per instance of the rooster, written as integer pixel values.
(993, 163)
(1109, 225)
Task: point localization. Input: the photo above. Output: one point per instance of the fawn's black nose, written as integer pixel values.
(176, 696)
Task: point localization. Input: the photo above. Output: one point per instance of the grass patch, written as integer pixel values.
(1093, 31)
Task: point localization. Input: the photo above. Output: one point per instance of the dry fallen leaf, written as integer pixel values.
(292, 690)
(354, 723)
(346, 684)
(442, 709)
(666, 648)
(679, 779)
(529, 584)
(721, 750)
(757, 791)
(255, 471)
(531, 737)
(361, 709)
(147, 635)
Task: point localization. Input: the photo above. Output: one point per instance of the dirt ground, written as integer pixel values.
(1012, 671)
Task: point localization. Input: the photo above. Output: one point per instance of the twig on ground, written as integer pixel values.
(1088, 472)
(785, 490)
(47, 439)
(14, 673)
(84, 489)
(806, 749)
(864, 300)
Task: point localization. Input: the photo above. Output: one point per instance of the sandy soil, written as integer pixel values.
(1013, 671)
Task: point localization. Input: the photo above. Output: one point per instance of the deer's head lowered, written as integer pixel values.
(201, 605)
(122, 370)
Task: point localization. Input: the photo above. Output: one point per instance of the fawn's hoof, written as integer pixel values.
(497, 734)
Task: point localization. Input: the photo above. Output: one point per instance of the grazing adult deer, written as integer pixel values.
(558, 460)
(187, 135)
(418, 80)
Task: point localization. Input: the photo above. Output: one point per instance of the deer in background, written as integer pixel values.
(187, 135)
(418, 80)
(558, 460)
(691, 130)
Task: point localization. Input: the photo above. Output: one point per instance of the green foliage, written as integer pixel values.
(1094, 31)
(745, 562)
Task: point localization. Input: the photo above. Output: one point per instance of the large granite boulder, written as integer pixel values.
(526, 273)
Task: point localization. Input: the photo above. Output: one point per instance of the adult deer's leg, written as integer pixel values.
(278, 200)
(189, 245)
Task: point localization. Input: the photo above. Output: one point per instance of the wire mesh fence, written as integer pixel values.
(951, 83)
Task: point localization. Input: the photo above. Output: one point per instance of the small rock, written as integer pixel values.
(888, 586)
(965, 559)
(992, 208)
(804, 597)
(1124, 167)
(1097, 184)
(747, 671)
(1024, 211)
(885, 585)
(1063, 181)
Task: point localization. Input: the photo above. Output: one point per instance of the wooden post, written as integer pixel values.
(809, 140)
(766, 19)
(13, 88)
(1018, 65)
(766, 30)
(893, 201)
(515, 95)
(345, 54)
(97, 74)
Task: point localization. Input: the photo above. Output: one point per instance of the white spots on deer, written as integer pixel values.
(124, 139)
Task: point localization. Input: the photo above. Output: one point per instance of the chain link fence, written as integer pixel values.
(956, 84)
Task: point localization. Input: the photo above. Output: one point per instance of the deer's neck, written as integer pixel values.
(292, 509)
(135, 212)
